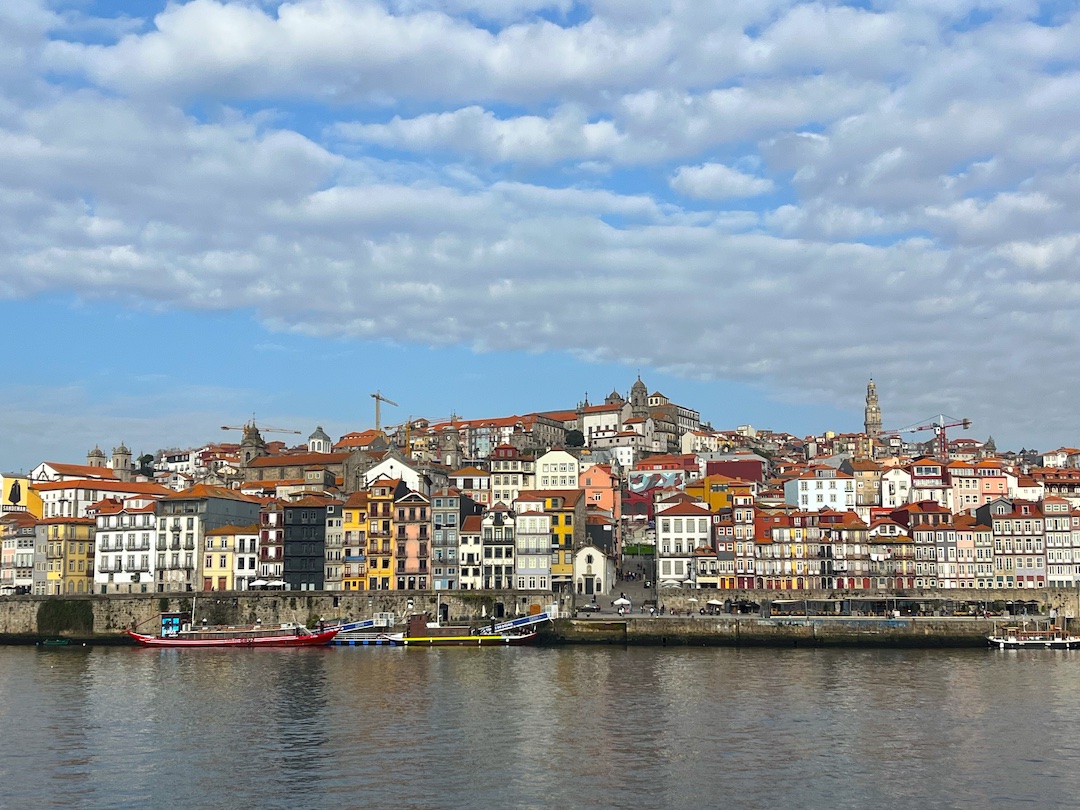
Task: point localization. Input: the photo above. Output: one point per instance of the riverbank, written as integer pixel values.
(743, 631)
(103, 619)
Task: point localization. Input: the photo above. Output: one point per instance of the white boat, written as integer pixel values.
(1044, 636)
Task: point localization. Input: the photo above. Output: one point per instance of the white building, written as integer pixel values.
(511, 472)
(532, 548)
(821, 488)
(125, 545)
(395, 468)
(557, 469)
(895, 487)
(594, 572)
(246, 556)
(73, 497)
(680, 529)
(470, 554)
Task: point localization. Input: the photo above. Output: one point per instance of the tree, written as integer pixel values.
(146, 465)
(575, 438)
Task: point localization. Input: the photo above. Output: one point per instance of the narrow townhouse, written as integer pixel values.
(354, 526)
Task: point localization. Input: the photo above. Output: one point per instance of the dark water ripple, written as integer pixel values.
(524, 728)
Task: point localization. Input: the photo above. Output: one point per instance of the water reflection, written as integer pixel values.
(603, 727)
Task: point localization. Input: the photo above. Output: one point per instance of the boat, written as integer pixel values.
(54, 642)
(288, 634)
(422, 633)
(1042, 636)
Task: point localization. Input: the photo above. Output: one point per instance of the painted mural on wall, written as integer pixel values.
(667, 479)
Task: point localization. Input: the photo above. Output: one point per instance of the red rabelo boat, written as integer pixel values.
(289, 634)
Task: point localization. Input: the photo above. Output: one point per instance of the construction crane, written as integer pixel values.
(261, 428)
(379, 398)
(939, 426)
(409, 425)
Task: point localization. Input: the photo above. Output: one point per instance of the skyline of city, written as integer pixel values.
(213, 210)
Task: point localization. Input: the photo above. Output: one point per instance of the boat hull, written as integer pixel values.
(282, 640)
(483, 640)
(1008, 643)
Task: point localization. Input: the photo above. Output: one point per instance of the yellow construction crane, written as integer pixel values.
(379, 398)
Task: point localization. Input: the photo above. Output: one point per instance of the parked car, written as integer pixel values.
(590, 608)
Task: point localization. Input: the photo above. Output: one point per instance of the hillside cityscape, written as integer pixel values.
(568, 502)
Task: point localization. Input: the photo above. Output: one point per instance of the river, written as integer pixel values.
(598, 727)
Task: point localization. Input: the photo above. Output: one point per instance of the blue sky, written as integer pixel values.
(215, 209)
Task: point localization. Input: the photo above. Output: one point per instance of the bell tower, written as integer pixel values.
(872, 418)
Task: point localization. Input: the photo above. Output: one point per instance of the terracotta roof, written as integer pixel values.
(105, 485)
(572, 496)
(301, 459)
(357, 500)
(470, 472)
(313, 501)
(227, 530)
(683, 509)
(209, 491)
(113, 506)
(472, 524)
(82, 470)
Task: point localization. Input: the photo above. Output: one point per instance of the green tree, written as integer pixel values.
(575, 438)
(146, 465)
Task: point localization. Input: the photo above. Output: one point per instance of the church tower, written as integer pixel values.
(450, 447)
(252, 445)
(96, 457)
(639, 398)
(319, 442)
(121, 462)
(872, 419)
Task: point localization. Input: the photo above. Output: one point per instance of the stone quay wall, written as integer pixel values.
(742, 631)
(100, 618)
(103, 618)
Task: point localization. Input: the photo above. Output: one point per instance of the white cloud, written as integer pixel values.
(715, 181)
(922, 169)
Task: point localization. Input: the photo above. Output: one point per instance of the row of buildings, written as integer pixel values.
(549, 502)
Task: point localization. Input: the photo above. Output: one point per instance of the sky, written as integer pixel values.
(214, 210)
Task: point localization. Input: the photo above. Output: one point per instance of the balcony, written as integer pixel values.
(106, 568)
(137, 546)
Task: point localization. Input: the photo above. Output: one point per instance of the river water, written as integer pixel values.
(594, 727)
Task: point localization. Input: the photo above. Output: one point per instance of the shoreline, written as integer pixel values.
(713, 631)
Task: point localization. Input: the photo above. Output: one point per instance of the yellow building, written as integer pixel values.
(69, 555)
(354, 526)
(219, 557)
(714, 490)
(382, 494)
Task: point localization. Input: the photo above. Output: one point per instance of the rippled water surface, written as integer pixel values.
(546, 727)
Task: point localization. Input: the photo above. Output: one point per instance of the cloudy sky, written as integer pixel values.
(211, 210)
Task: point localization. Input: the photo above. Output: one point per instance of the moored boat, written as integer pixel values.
(422, 633)
(289, 634)
(474, 640)
(1046, 636)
